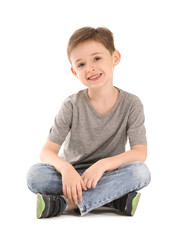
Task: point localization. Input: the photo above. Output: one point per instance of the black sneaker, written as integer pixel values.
(128, 203)
(50, 205)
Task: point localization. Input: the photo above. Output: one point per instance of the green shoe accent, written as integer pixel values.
(40, 205)
(135, 202)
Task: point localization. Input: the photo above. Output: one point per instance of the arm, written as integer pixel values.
(93, 174)
(136, 153)
(71, 180)
(49, 154)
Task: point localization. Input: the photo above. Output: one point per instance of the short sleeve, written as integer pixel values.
(62, 124)
(136, 131)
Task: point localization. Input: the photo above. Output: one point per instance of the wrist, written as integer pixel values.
(103, 164)
(65, 167)
(109, 164)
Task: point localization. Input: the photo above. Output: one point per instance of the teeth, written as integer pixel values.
(95, 76)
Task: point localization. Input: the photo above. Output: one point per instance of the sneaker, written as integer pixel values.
(50, 205)
(128, 203)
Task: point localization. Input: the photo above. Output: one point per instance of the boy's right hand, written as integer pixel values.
(72, 184)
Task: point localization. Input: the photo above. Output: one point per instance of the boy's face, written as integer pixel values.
(93, 64)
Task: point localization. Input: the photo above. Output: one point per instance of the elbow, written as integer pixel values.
(143, 155)
(140, 152)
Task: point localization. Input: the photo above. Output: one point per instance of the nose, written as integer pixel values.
(90, 67)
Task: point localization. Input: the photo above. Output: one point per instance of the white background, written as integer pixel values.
(35, 78)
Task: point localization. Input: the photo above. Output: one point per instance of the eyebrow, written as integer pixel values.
(90, 55)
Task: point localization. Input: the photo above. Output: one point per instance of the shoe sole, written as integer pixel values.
(135, 202)
(40, 205)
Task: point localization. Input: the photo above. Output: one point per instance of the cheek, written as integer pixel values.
(110, 67)
(81, 74)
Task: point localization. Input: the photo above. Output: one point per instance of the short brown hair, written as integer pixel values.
(100, 34)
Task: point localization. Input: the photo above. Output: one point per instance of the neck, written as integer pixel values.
(104, 94)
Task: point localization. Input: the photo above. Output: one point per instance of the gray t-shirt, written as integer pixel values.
(89, 136)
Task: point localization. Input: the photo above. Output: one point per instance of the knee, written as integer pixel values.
(141, 172)
(43, 178)
(35, 177)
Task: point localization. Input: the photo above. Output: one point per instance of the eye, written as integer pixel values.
(81, 65)
(97, 58)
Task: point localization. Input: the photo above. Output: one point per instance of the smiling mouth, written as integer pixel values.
(95, 77)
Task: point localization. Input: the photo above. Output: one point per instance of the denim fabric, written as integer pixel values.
(42, 178)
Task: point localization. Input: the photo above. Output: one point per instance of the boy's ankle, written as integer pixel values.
(71, 206)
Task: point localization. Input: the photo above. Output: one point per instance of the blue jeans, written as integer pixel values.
(43, 178)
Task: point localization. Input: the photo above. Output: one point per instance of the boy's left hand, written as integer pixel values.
(93, 174)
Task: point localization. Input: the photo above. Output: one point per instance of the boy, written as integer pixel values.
(94, 124)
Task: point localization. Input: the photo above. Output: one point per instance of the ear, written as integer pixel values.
(116, 57)
(73, 71)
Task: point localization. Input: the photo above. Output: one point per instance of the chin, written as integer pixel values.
(97, 85)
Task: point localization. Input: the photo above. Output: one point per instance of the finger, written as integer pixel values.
(83, 185)
(79, 191)
(94, 184)
(84, 180)
(65, 191)
(89, 184)
(74, 195)
(69, 194)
